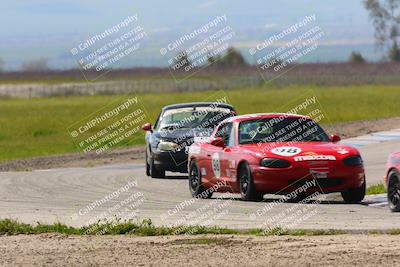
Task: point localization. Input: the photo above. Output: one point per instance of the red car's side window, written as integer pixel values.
(224, 131)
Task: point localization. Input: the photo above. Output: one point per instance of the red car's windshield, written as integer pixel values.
(281, 129)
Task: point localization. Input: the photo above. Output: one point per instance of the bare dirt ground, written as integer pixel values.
(125, 155)
(338, 250)
(357, 128)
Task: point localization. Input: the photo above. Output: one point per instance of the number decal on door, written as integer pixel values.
(216, 165)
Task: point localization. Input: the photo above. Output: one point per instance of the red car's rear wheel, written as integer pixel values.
(246, 185)
(195, 184)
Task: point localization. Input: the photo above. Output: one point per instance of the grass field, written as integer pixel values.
(145, 228)
(38, 127)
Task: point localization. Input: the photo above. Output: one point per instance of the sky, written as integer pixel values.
(51, 28)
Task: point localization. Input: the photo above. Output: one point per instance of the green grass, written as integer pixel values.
(376, 189)
(145, 228)
(38, 127)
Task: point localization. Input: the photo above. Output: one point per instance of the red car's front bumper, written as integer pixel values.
(280, 181)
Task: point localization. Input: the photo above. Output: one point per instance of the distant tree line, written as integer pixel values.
(356, 57)
(35, 65)
(232, 58)
(40, 64)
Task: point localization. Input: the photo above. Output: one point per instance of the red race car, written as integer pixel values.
(277, 154)
(392, 181)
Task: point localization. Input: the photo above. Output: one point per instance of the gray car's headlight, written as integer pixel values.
(167, 146)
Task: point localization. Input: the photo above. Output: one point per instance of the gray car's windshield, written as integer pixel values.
(200, 117)
(285, 129)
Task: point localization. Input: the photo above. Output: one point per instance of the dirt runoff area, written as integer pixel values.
(126, 155)
(207, 250)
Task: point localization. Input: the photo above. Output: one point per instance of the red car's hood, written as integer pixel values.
(302, 150)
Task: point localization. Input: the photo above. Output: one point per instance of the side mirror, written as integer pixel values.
(218, 141)
(147, 127)
(335, 138)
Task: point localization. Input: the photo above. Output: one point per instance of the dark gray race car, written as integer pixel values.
(176, 128)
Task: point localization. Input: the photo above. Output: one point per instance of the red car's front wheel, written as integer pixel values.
(393, 192)
(354, 195)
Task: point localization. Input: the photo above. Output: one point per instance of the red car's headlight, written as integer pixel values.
(274, 163)
(353, 161)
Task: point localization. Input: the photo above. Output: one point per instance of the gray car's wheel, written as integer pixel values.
(247, 188)
(393, 192)
(155, 172)
(147, 165)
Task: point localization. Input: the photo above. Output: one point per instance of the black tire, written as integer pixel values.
(246, 184)
(393, 192)
(155, 172)
(195, 184)
(354, 195)
(147, 165)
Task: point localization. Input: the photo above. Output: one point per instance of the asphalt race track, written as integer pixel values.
(63, 195)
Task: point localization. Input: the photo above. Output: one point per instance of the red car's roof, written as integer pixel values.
(260, 116)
